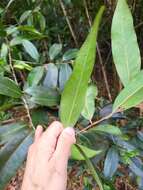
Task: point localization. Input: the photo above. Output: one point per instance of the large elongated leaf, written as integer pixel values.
(76, 155)
(8, 131)
(124, 43)
(9, 88)
(73, 96)
(14, 161)
(131, 95)
(111, 163)
(43, 96)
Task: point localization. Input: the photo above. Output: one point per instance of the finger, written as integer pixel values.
(50, 136)
(38, 133)
(63, 149)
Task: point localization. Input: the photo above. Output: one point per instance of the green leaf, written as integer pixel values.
(43, 96)
(64, 74)
(35, 76)
(70, 54)
(54, 50)
(73, 96)
(24, 16)
(31, 49)
(8, 131)
(9, 88)
(124, 43)
(89, 105)
(15, 160)
(4, 51)
(16, 41)
(113, 130)
(131, 95)
(76, 155)
(21, 65)
(111, 162)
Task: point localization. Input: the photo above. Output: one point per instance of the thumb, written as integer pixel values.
(65, 141)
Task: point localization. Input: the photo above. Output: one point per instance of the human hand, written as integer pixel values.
(47, 160)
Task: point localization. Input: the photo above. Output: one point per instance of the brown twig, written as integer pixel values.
(68, 22)
(95, 123)
(99, 55)
(15, 79)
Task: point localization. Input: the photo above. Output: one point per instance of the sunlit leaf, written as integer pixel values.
(73, 96)
(76, 155)
(125, 48)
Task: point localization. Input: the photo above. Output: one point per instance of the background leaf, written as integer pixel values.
(76, 155)
(73, 96)
(131, 95)
(51, 78)
(31, 49)
(65, 72)
(54, 50)
(111, 163)
(124, 43)
(107, 129)
(14, 161)
(89, 105)
(35, 76)
(9, 88)
(43, 96)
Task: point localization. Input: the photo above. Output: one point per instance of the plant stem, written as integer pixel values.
(15, 79)
(95, 123)
(99, 55)
(68, 22)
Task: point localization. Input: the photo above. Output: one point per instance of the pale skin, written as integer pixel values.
(47, 159)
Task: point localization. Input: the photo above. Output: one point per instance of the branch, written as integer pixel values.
(68, 22)
(15, 79)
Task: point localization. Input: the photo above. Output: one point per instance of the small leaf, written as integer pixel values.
(14, 161)
(21, 65)
(110, 129)
(16, 41)
(9, 88)
(76, 155)
(51, 78)
(131, 95)
(89, 106)
(70, 54)
(111, 163)
(125, 48)
(35, 76)
(64, 74)
(43, 96)
(31, 49)
(4, 51)
(73, 96)
(25, 15)
(54, 50)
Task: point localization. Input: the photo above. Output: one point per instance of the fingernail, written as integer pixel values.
(70, 131)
